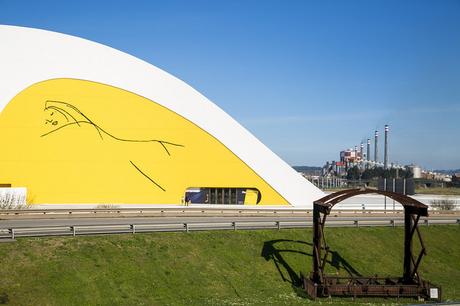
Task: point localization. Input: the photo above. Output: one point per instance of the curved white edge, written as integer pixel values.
(28, 56)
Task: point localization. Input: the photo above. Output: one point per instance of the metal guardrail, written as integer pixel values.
(187, 210)
(155, 210)
(96, 229)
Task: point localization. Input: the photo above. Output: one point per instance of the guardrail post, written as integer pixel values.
(458, 221)
(234, 226)
(356, 223)
(426, 222)
(133, 228)
(186, 227)
(392, 222)
(278, 224)
(12, 233)
(72, 228)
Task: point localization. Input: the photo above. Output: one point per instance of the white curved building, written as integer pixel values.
(81, 122)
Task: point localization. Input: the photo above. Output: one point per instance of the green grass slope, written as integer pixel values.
(210, 268)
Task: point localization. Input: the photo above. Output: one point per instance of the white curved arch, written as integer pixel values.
(28, 56)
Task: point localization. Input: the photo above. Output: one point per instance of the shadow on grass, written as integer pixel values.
(273, 250)
(4, 298)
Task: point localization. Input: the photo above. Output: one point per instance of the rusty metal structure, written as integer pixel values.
(318, 284)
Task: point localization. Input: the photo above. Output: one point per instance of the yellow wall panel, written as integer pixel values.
(75, 141)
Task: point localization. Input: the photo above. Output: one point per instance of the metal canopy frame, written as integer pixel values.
(409, 285)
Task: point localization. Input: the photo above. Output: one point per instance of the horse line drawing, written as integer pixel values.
(75, 117)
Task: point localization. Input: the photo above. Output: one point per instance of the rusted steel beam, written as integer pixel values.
(329, 201)
(422, 211)
(316, 245)
(319, 284)
(333, 195)
(419, 259)
(323, 208)
(407, 262)
(414, 225)
(421, 241)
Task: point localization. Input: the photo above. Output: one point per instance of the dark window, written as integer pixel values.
(213, 195)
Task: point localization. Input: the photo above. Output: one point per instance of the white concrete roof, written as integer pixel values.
(28, 56)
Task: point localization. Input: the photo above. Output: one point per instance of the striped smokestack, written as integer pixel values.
(376, 148)
(385, 158)
(368, 154)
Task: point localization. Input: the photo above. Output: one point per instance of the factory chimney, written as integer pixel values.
(368, 154)
(362, 150)
(385, 160)
(376, 148)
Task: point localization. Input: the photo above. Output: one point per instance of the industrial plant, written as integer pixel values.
(356, 156)
(359, 165)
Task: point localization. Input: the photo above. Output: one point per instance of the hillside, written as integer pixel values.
(209, 268)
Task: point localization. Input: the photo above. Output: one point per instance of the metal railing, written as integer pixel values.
(189, 210)
(133, 228)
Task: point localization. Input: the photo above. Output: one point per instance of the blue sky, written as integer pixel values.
(308, 78)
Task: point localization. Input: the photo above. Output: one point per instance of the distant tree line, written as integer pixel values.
(355, 173)
(307, 168)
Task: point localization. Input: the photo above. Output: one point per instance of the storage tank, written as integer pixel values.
(415, 170)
